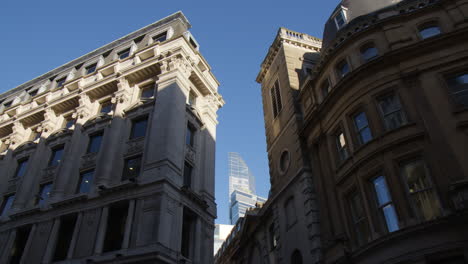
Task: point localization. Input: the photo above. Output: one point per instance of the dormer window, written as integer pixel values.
(61, 81)
(160, 37)
(33, 93)
(91, 68)
(124, 54)
(340, 19)
(429, 30)
(8, 104)
(192, 42)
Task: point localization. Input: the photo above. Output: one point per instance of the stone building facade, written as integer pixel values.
(110, 157)
(382, 125)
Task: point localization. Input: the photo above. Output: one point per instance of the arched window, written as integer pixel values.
(342, 68)
(296, 257)
(429, 30)
(369, 52)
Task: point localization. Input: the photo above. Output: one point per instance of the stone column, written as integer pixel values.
(76, 232)
(49, 253)
(165, 143)
(128, 225)
(101, 235)
(24, 258)
(114, 138)
(7, 247)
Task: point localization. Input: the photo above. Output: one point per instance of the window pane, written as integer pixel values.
(430, 31)
(360, 120)
(369, 53)
(124, 54)
(94, 143)
(56, 157)
(366, 135)
(359, 218)
(70, 122)
(91, 69)
(192, 98)
(189, 137)
(381, 190)
(416, 178)
(390, 218)
(7, 203)
(86, 181)
(161, 37)
(343, 68)
(106, 108)
(61, 82)
(44, 193)
(147, 92)
(427, 204)
(340, 20)
(187, 175)
(21, 169)
(458, 88)
(132, 168)
(139, 128)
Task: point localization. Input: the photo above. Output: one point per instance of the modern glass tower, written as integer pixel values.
(241, 187)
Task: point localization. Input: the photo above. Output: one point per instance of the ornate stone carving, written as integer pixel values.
(88, 160)
(135, 146)
(190, 154)
(49, 173)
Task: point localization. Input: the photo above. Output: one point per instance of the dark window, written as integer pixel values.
(91, 68)
(369, 52)
(7, 203)
(132, 168)
(65, 235)
(192, 98)
(188, 230)
(341, 145)
(8, 104)
(139, 127)
(362, 128)
(115, 227)
(86, 182)
(296, 257)
(358, 218)
(94, 143)
(160, 37)
(419, 187)
(61, 81)
(124, 54)
(188, 169)
(192, 42)
(56, 157)
(69, 122)
(391, 111)
(106, 107)
(44, 193)
(33, 93)
(325, 88)
(385, 204)
(147, 91)
(21, 168)
(22, 235)
(428, 31)
(190, 135)
(458, 88)
(340, 19)
(343, 68)
(276, 99)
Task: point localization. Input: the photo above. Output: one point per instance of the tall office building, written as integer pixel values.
(367, 140)
(110, 157)
(241, 187)
(220, 234)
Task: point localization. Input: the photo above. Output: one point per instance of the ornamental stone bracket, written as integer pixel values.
(48, 174)
(88, 160)
(176, 62)
(190, 154)
(12, 183)
(134, 146)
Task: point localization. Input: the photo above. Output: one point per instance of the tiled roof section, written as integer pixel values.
(99, 51)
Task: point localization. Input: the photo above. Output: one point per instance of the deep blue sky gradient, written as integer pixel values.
(234, 37)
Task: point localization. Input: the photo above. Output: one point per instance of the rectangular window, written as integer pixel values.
(147, 92)
(192, 98)
(91, 68)
(6, 205)
(86, 182)
(391, 111)
(340, 19)
(384, 202)
(276, 99)
(21, 168)
(188, 175)
(139, 127)
(61, 81)
(69, 122)
(458, 88)
(16, 252)
(343, 68)
(94, 144)
(124, 54)
(132, 168)
(160, 37)
(33, 93)
(341, 146)
(419, 187)
(44, 193)
(362, 128)
(106, 107)
(190, 135)
(188, 230)
(115, 231)
(56, 157)
(358, 217)
(65, 236)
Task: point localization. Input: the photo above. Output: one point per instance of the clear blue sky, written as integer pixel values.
(234, 36)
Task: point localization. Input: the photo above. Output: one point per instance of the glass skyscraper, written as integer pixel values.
(241, 187)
